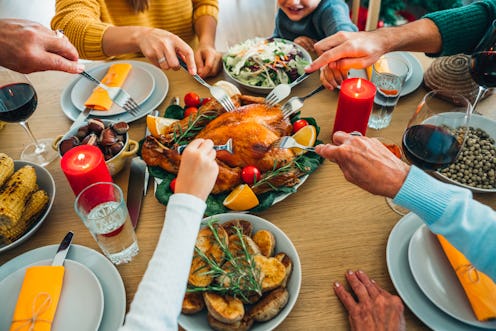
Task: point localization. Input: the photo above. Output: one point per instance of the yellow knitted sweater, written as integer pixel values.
(85, 21)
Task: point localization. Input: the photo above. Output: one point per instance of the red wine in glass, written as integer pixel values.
(19, 102)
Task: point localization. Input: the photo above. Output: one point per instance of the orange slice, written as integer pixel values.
(157, 124)
(306, 136)
(241, 198)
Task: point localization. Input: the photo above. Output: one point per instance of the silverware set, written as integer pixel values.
(295, 103)
(281, 91)
(226, 147)
(290, 142)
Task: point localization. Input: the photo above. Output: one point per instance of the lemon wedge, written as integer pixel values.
(306, 136)
(241, 198)
(230, 88)
(157, 124)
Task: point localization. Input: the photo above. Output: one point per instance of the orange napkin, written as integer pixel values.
(38, 299)
(479, 288)
(115, 77)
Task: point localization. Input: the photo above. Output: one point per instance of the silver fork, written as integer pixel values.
(217, 92)
(118, 95)
(295, 103)
(290, 142)
(281, 91)
(226, 147)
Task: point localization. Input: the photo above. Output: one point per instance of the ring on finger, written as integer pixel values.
(162, 59)
(356, 133)
(59, 33)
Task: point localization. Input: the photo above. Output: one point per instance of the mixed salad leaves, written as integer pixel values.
(266, 62)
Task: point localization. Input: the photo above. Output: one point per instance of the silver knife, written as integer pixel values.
(63, 249)
(81, 117)
(135, 189)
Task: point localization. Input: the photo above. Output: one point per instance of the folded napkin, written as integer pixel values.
(38, 299)
(115, 77)
(479, 288)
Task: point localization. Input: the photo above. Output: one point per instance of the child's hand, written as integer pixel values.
(306, 42)
(198, 170)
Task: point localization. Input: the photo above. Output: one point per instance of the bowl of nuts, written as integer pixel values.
(475, 168)
(111, 137)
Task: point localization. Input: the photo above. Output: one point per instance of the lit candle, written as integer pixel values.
(84, 165)
(355, 102)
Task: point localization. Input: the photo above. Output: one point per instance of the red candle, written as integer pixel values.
(84, 165)
(355, 102)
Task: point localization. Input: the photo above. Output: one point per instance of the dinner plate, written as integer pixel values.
(155, 99)
(198, 322)
(45, 181)
(80, 307)
(114, 295)
(414, 80)
(139, 84)
(405, 284)
(437, 279)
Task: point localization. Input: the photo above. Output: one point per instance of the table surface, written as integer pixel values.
(334, 225)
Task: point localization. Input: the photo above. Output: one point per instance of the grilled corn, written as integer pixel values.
(14, 195)
(6, 168)
(35, 205)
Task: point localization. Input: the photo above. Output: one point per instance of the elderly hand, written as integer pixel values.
(375, 308)
(208, 60)
(27, 46)
(367, 163)
(198, 170)
(162, 48)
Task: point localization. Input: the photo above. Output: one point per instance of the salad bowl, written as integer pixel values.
(258, 65)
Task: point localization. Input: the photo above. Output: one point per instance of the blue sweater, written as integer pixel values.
(329, 17)
(449, 210)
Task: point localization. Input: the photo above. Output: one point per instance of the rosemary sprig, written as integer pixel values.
(194, 126)
(239, 275)
(269, 175)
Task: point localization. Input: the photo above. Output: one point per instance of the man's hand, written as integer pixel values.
(374, 309)
(27, 46)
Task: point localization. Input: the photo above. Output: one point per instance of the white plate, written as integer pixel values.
(81, 301)
(44, 181)
(155, 99)
(198, 322)
(114, 295)
(412, 83)
(407, 288)
(437, 279)
(478, 122)
(139, 84)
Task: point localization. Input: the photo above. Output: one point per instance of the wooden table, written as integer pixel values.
(334, 225)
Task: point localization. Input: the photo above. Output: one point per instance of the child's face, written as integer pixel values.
(298, 9)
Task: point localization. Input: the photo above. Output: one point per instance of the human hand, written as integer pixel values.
(162, 48)
(207, 60)
(366, 162)
(376, 309)
(306, 42)
(198, 170)
(27, 47)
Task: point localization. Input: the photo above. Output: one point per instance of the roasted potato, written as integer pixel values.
(230, 227)
(192, 303)
(270, 305)
(266, 242)
(237, 250)
(272, 272)
(288, 264)
(225, 309)
(243, 325)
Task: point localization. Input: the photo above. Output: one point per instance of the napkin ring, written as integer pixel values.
(30, 322)
(473, 273)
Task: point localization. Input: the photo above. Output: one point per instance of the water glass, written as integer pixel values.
(103, 210)
(388, 75)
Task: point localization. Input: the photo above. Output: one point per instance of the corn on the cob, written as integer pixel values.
(34, 207)
(6, 168)
(14, 195)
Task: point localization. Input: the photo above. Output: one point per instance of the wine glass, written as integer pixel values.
(482, 65)
(18, 101)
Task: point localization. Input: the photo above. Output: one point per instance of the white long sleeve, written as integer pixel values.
(157, 303)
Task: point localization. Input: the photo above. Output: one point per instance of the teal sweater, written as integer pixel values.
(462, 28)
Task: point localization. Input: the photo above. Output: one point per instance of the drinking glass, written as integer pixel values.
(103, 210)
(482, 65)
(18, 102)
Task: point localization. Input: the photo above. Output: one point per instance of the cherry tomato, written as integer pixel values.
(190, 110)
(297, 125)
(250, 174)
(192, 99)
(172, 185)
(205, 100)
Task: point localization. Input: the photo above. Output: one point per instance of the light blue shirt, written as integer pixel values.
(329, 17)
(449, 210)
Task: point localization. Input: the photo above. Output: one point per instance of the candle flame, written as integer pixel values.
(81, 159)
(359, 83)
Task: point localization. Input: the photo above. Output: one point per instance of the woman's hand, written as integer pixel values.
(198, 170)
(208, 60)
(162, 48)
(366, 162)
(374, 309)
